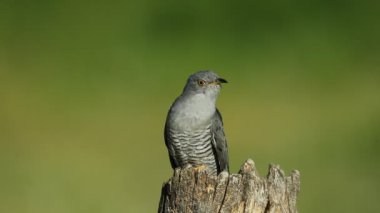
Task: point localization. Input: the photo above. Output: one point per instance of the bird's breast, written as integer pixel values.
(192, 113)
(193, 147)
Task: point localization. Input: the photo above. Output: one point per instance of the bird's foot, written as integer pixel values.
(200, 168)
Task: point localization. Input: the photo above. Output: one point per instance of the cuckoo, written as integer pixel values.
(194, 134)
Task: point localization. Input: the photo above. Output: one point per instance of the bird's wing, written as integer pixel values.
(219, 142)
(168, 143)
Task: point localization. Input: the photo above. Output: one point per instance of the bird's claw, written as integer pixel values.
(200, 168)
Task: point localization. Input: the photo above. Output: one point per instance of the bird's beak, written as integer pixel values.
(218, 81)
(221, 80)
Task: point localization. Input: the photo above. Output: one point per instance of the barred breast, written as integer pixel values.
(193, 147)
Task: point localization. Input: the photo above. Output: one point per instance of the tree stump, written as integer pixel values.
(193, 190)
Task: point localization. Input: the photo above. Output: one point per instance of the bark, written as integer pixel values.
(193, 190)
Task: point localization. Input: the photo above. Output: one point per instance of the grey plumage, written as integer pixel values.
(194, 132)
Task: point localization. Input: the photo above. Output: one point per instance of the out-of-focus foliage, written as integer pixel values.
(85, 87)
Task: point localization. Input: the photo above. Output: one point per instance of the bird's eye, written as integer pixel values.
(201, 82)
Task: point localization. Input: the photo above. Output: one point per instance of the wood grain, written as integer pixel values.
(194, 190)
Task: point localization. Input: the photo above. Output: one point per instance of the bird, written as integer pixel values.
(194, 133)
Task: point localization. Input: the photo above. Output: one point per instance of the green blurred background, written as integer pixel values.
(85, 87)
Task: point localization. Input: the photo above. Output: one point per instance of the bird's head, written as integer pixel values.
(204, 82)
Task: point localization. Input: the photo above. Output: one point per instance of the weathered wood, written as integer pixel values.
(193, 190)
